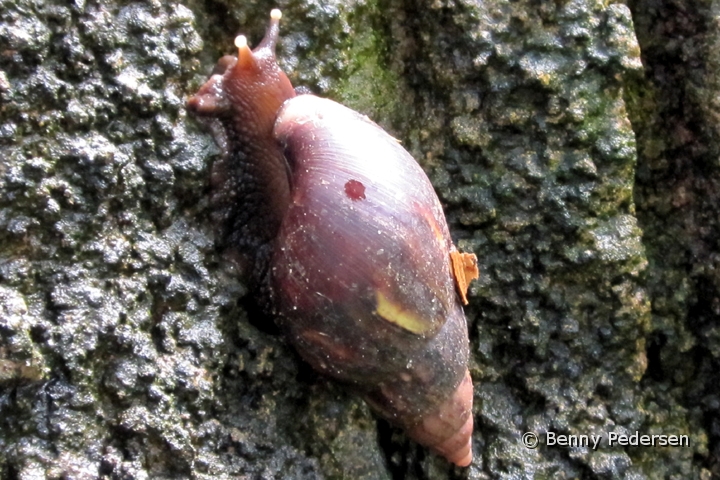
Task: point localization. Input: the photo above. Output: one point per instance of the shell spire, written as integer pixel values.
(448, 430)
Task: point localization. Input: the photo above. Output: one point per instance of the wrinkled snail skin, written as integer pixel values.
(353, 247)
(245, 94)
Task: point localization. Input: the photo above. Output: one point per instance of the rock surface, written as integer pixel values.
(128, 346)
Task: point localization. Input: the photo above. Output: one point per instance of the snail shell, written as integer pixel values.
(351, 249)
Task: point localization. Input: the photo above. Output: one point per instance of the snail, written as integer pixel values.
(351, 249)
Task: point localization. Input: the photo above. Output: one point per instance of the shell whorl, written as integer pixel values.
(448, 430)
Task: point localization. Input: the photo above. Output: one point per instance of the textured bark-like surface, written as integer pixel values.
(675, 108)
(127, 347)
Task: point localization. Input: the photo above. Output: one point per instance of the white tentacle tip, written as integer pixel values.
(241, 41)
(275, 14)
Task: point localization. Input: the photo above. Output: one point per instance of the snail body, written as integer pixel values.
(351, 249)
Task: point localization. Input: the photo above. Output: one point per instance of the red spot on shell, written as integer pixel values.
(355, 190)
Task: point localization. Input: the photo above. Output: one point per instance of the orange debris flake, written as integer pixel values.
(465, 270)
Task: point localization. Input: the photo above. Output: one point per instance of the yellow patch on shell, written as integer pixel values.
(402, 317)
(465, 270)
